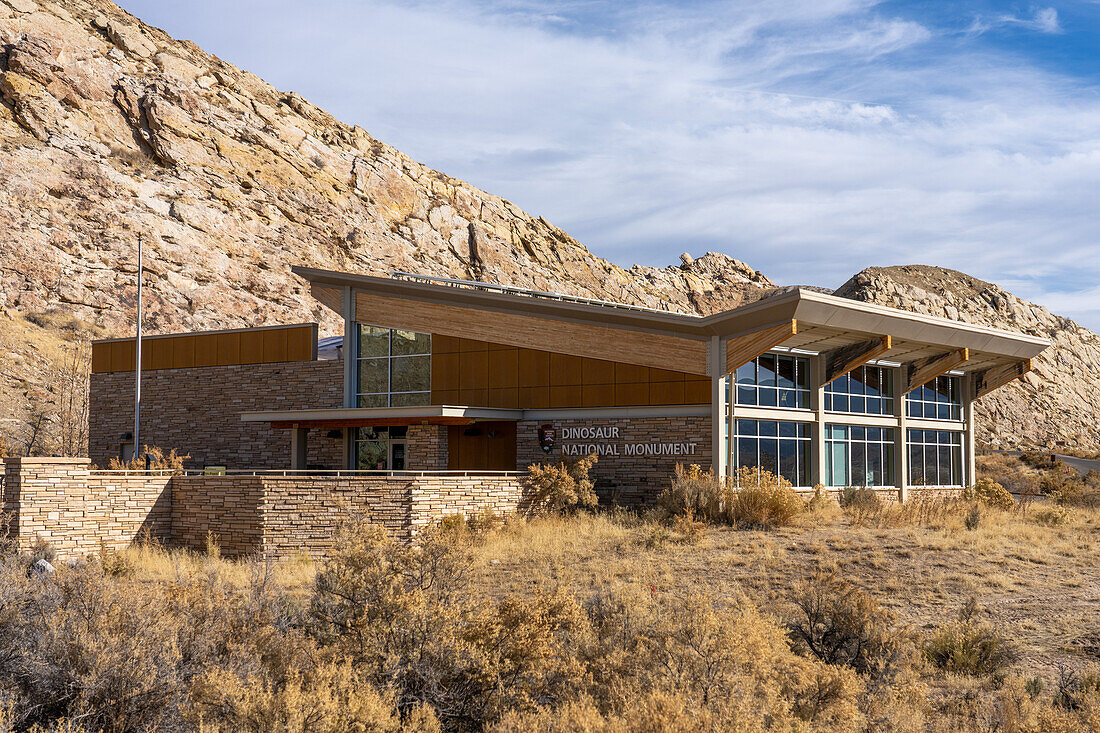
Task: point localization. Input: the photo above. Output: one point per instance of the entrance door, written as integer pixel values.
(397, 455)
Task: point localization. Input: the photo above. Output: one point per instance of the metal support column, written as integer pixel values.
(716, 370)
(819, 458)
(970, 440)
(901, 438)
(298, 444)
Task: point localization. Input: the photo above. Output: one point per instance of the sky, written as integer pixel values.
(808, 138)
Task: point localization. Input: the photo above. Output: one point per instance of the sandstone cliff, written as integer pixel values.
(1057, 404)
(112, 129)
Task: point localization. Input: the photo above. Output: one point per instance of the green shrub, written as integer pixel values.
(969, 647)
(990, 494)
(561, 488)
(973, 517)
(763, 501)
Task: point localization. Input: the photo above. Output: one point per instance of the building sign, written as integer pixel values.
(547, 435)
(605, 440)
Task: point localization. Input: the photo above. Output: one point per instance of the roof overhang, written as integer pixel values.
(361, 417)
(815, 323)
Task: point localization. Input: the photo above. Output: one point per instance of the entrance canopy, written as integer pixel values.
(369, 417)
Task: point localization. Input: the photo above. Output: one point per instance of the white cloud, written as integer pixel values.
(810, 139)
(1041, 20)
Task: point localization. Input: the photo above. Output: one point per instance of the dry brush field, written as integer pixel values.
(784, 615)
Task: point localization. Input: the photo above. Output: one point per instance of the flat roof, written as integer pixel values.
(824, 322)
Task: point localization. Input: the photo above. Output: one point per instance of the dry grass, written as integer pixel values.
(1040, 583)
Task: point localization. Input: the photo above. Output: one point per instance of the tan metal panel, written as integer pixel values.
(251, 347)
(183, 352)
(101, 357)
(600, 342)
(206, 350)
(229, 348)
(274, 346)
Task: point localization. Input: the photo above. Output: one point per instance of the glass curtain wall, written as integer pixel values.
(774, 380)
(859, 456)
(935, 458)
(779, 447)
(394, 367)
(940, 399)
(866, 390)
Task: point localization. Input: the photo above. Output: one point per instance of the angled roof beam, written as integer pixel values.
(990, 379)
(743, 349)
(839, 362)
(922, 371)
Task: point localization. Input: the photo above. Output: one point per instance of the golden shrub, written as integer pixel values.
(562, 487)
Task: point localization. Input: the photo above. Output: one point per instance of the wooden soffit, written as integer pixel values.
(743, 349)
(629, 346)
(990, 379)
(843, 360)
(373, 422)
(922, 371)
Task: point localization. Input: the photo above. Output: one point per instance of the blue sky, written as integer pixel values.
(809, 138)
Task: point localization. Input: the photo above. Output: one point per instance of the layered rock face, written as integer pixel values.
(1056, 405)
(113, 130)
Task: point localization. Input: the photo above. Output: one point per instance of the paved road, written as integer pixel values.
(1082, 465)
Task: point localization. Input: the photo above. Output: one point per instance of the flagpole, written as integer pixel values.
(137, 370)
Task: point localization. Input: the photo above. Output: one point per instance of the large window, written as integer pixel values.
(774, 380)
(782, 448)
(940, 399)
(935, 458)
(380, 449)
(867, 390)
(859, 456)
(394, 367)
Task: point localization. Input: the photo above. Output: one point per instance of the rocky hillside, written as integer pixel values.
(113, 130)
(1057, 404)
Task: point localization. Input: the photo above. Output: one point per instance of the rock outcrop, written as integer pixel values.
(113, 130)
(1056, 405)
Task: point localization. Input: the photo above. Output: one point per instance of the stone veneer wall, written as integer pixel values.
(197, 411)
(623, 479)
(426, 448)
(62, 502)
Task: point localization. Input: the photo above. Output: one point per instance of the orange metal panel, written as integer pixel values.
(566, 396)
(534, 398)
(666, 393)
(445, 374)
(300, 343)
(251, 347)
(228, 348)
(504, 368)
(156, 354)
(183, 352)
(206, 350)
(470, 345)
(565, 370)
(597, 371)
(101, 358)
(534, 368)
(627, 373)
(696, 391)
(274, 345)
(632, 394)
(666, 375)
(473, 370)
(445, 344)
(598, 395)
(123, 357)
(445, 397)
(504, 398)
(473, 397)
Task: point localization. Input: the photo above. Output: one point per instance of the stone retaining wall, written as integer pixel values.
(76, 510)
(62, 502)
